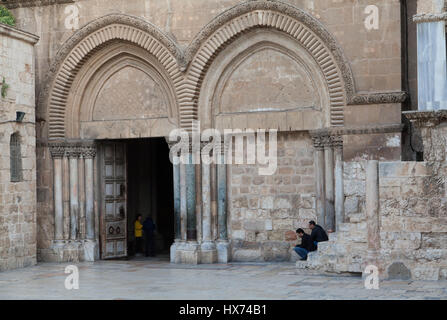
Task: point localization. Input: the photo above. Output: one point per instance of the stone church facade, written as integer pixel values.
(361, 141)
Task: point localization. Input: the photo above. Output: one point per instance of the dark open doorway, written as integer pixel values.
(150, 191)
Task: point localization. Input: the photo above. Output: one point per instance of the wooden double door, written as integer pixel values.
(113, 207)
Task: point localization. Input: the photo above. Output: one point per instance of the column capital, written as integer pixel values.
(73, 151)
(57, 150)
(88, 151)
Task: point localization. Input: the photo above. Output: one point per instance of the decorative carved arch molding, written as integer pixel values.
(89, 40)
(307, 31)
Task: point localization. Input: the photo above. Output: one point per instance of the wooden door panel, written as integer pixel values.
(114, 215)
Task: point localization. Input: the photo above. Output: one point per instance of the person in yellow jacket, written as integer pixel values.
(138, 234)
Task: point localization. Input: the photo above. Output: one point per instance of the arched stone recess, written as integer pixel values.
(121, 92)
(264, 80)
(307, 32)
(89, 41)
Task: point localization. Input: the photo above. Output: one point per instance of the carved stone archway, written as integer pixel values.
(306, 30)
(90, 39)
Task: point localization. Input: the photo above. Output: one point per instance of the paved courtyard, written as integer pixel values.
(158, 279)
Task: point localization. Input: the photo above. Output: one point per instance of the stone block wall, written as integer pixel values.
(354, 179)
(413, 220)
(413, 203)
(17, 199)
(265, 211)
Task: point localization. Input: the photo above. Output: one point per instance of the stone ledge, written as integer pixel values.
(426, 118)
(13, 32)
(13, 4)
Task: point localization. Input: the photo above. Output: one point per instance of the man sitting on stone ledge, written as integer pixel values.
(306, 245)
(318, 234)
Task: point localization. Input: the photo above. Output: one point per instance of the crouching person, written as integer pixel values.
(306, 245)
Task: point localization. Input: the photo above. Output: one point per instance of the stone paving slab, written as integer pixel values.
(160, 280)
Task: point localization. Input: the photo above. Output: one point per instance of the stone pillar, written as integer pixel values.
(432, 66)
(372, 213)
(177, 197)
(73, 155)
(223, 248)
(57, 153)
(188, 251)
(183, 210)
(319, 178)
(339, 188)
(91, 247)
(191, 224)
(329, 184)
(208, 247)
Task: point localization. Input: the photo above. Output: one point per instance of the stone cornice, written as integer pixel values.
(378, 98)
(426, 118)
(429, 17)
(18, 34)
(355, 130)
(13, 4)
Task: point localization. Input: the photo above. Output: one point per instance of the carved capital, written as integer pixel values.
(88, 152)
(318, 142)
(57, 150)
(426, 119)
(73, 151)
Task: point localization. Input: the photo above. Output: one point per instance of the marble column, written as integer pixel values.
(319, 178)
(432, 66)
(73, 155)
(183, 208)
(57, 153)
(339, 188)
(208, 247)
(372, 213)
(89, 155)
(191, 224)
(91, 247)
(223, 252)
(174, 158)
(329, 184)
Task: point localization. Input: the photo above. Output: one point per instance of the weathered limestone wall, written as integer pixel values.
(413, 221)
(17, 199)
(354, 187)
(414, 218)
(265, 211)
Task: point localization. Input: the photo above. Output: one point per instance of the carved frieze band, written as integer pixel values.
(326, 139)
(377, 98)
(60, 150)
(430, 17)
(421, 119)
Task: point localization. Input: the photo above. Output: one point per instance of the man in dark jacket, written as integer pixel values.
(318, 234)
(149, 228)
(306, 245)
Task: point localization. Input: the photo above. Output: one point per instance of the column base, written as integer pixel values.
(63, 251)
(91, 250)
(208, 252)
(187, 253)
(223, 251)
(172, 251)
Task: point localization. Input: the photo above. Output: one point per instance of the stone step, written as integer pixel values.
(353, 227)
(302, 265)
